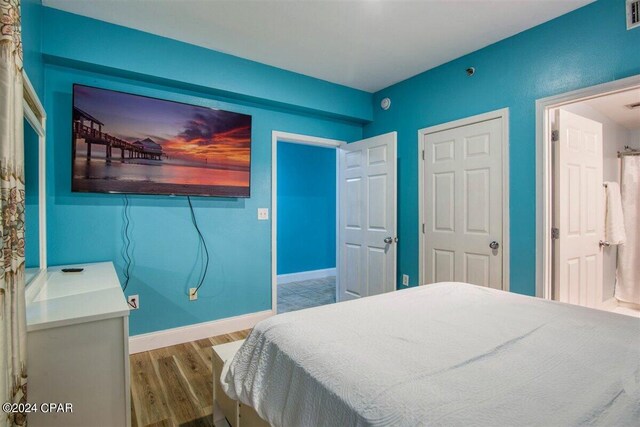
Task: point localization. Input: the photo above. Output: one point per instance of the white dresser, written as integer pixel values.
(78, 347)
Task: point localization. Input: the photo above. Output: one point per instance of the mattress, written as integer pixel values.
(449, 354)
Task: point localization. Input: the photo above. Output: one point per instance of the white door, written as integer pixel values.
(367, 217)
(577, 210)
(463, 204)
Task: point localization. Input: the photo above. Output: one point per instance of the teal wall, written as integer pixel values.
(88, 227)
(583, 48)
(306, 208)
(586, 47)
(85, 43)
(31, 21)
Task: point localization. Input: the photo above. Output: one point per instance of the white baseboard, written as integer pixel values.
(306, 275)
(153, 340)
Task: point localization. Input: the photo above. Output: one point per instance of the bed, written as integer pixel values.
(444, 354)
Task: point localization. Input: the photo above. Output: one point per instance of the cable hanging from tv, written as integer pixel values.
(204, 245)
(127, 243)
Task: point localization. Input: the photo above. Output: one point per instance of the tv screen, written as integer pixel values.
(124, 143)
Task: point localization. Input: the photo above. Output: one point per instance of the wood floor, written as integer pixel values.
(173, 386)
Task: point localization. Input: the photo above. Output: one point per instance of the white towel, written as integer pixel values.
(614, 221)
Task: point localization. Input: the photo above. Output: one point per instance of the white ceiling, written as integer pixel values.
(615, 107)
(364, 44)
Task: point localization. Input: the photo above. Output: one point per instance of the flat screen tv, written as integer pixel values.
(125, 143)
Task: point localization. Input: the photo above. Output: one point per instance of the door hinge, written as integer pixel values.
(422, 154)
(555, 135)
(424, 228)
(555, 233)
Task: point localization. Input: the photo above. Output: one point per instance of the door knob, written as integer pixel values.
(494, 245)
(388, 240)
(604, 243)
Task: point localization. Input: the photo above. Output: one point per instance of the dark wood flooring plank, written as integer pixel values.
(148, 397)
(200, 422)
(134, 418)
(184, 405)
(163, 423)
(205, 353)
(206, 342)
(220, 339)
(172, 386)
(195, 372)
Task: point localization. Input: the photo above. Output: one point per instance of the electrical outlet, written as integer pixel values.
(405, 279)
(134, 302)
(263, 214)
(193, 294)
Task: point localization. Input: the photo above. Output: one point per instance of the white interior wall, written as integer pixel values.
(614, 137)
(634, 138)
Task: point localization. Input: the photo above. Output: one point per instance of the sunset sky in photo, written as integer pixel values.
(211, 138)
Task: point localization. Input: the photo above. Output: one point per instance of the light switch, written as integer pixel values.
(263, 214)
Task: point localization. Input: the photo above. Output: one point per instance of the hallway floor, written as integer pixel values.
(615, 306)
(622, 308)
(634, 312)
(306, 294)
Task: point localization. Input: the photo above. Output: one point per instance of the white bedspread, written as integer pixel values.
(445, 354)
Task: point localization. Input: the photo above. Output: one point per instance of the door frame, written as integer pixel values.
(503, 114)
(294, 138)
(544, 172)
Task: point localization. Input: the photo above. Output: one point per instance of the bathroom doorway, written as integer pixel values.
(593, 148)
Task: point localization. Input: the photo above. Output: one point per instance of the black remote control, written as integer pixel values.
(72, 270)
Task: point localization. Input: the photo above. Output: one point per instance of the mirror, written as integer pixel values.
(31, 220)
(35, 189)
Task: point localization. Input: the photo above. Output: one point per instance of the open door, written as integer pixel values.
(367, 229)
(577, 210)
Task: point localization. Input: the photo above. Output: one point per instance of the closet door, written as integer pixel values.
(463, 204)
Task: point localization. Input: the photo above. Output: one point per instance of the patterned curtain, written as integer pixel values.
(13, 338)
